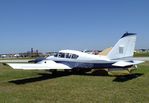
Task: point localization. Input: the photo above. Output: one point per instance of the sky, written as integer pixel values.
(52, 25)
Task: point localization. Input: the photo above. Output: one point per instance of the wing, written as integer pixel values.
(43, 65)
(127, 63)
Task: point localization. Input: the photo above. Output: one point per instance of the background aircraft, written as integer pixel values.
(118, 58)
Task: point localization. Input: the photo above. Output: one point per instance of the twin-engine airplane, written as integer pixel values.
(117, 59)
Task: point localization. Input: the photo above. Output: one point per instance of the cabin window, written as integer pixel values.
(68, 55)
(74, 56)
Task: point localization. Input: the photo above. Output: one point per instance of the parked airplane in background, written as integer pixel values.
(74, 60)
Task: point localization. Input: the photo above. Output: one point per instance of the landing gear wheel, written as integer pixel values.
(68, 71)
(53, 71)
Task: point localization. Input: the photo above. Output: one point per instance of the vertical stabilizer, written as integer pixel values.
(124, 47)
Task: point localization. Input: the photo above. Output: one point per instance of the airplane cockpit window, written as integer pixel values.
(55, 54)
(62, 55)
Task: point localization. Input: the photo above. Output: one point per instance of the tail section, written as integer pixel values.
(124, 47)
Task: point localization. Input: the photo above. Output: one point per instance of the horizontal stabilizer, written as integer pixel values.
(126, 63)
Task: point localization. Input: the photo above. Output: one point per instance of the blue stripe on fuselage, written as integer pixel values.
(84, 65)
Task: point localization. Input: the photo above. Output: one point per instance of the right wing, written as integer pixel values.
(43, 65)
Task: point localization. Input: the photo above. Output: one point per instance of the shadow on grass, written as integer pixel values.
(94, 73)
(128, 77)
(41, 77)
(46, 76)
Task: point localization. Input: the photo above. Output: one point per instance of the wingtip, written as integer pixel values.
(11, 65)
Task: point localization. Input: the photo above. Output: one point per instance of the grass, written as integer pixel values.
(141, 54)
(19, 86)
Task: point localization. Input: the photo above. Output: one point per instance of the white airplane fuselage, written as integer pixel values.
(83, 60)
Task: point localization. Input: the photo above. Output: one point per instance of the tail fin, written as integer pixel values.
(124, 47)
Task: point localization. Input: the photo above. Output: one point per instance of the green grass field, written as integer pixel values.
(18, 86)
(141, 54)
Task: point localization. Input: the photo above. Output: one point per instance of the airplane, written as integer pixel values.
(118, 58)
